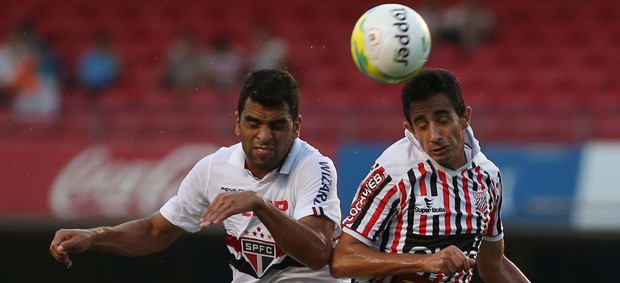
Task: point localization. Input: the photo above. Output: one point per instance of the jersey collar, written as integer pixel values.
(237, 158)
(472, 146)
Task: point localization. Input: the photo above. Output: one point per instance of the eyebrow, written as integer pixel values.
(250, 118)
(439, 112)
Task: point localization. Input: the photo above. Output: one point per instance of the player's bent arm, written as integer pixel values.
(352, 258)
(308, 240)
(493, 266)
(134, 238)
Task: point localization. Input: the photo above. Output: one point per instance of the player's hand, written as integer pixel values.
(70, 241)
(450, 261)
(228, 204)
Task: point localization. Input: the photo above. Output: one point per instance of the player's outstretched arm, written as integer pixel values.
(493, 266)
(133, 238)
(308, 240)
(355, 259)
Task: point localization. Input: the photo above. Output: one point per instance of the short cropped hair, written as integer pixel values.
(270, 88)
(430, 82)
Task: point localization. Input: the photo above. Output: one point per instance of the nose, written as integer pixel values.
(264, 133)
(435, 131)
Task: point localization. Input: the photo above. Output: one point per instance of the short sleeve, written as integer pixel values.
(495, 231)
(375, 203)
(317, 192)
(186, 207)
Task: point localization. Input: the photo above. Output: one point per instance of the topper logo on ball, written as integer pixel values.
(401, 54)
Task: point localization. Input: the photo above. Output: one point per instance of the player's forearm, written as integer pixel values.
(361, 262)
(134, 238)
(506, 272)
(299, 240)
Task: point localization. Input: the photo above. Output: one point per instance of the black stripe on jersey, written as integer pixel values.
(435, 225)
(465, 242)
(457, 204)
(385, 236)
(243, 266)
(470, 174)
(387, 220)
(433, 179)
(369, 202)
(499, 205)
(410, 214)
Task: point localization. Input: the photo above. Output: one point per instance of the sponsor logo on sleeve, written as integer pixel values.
(372, 182)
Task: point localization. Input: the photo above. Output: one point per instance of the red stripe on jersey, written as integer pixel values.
(422, 193)
(384, 201)
(422, 179)
(446, 201)
(233, 242)
(468, 219)
(399, 219)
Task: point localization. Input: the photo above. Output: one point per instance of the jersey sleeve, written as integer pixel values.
(495, 231)
(317, 192)
(186, 207)
(375, 203)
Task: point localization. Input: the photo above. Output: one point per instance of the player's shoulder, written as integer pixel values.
(304, 160)
(304, 152)
(221, 155)
(486, 164)
(399, 156)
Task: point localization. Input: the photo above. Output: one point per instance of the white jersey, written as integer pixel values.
(409, 203)
(305, 185)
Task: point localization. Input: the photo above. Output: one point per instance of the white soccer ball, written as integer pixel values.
(390, 43)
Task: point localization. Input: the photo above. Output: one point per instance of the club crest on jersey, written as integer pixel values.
(481, 201)
(259, 254)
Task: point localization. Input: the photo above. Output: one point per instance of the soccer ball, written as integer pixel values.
(390, 43)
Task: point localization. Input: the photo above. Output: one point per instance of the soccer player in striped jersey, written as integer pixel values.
(429, 210)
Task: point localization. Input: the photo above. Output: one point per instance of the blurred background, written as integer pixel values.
(106, 104)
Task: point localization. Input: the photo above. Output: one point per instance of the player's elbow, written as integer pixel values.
(339, 267)
(319, 260)
(336, 269)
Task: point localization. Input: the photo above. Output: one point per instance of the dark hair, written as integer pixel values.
(270, 88)
(430, 82)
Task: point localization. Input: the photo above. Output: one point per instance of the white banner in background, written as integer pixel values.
(597, 202)
(94, 185)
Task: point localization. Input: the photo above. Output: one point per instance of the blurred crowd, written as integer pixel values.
(467, 24)
(33, 77)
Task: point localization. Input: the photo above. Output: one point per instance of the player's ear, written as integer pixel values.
(408, 126)
(297, 126)
(466, 118)
(237, 123)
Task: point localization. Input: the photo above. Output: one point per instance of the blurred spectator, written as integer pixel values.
(468, 24)
(183, 70)
(28, 76)
(268, 52)
(223, 64)
(98, 70)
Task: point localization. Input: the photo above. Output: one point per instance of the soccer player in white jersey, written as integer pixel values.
(429, 210)
(275, 194)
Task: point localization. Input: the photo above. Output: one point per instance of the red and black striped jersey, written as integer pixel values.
(408, 203)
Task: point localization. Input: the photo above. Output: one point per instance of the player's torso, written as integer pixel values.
(439, 208)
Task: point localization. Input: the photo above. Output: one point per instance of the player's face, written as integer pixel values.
(267, 135)
(440, 130)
